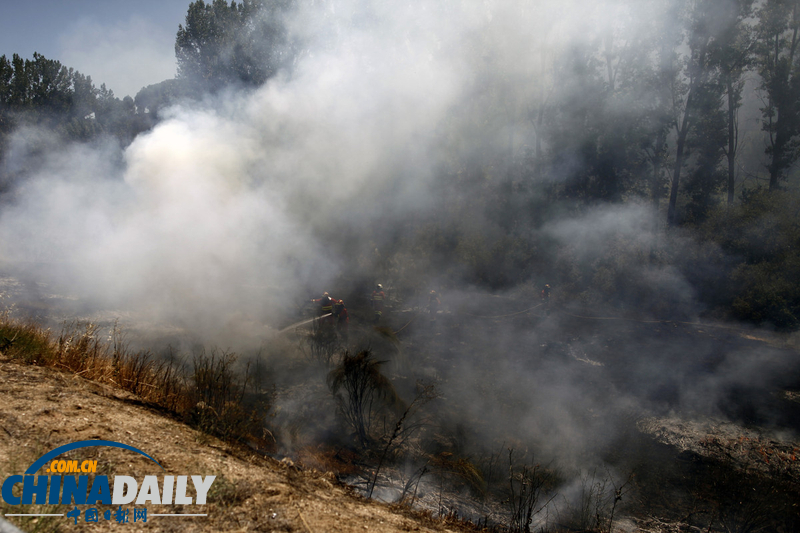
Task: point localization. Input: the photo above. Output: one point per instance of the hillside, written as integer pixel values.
(41, 409)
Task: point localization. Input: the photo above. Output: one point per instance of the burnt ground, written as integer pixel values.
(700, 418)
(703, 418)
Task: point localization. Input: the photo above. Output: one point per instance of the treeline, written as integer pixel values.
(650, 108)
(221, 44)
(644, 112)
(43, 92)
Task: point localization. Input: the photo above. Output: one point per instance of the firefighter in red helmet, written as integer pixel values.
(546, 294)
(325, 309)
(342, 319)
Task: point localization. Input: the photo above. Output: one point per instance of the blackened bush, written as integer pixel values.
(362, 393)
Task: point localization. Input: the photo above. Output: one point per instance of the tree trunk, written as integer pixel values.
(676, 174)
(784, 109)
(676, 178)
(776, 165)
(658, 161)
(731, 139)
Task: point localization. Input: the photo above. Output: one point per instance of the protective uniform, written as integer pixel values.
(378, 297)
(325, 308)
(433, 304)
(342, 319)
(546, 294)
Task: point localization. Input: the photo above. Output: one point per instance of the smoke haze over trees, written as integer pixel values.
(638, 156)
(451, 138)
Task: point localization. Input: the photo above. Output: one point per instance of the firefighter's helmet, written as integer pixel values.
(379, 287)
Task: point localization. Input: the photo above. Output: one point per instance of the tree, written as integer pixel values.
(586, 139)
(706, 143)
(43, 92)
(647, 76)
(696, 87)
(18, 87)
(223, 44)
(643, 79)
(779, 66)
(732, 51)
(151, 99)
(6, 77)
(659, 117)
(119, 117)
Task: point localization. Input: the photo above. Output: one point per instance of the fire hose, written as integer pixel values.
(304, 322)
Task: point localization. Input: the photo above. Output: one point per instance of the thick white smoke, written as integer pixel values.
(225, 212)
(227, 196)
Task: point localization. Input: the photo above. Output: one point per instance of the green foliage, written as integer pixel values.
(154, 98)
(763, 233)
(40, 91)
(779, 67)
(223, 44)
(769, 293)
(119, 117)
(24, 341)
(43, 92)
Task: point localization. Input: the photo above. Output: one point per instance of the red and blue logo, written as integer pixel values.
(60, 485)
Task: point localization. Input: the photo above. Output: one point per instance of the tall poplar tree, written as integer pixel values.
(779, 66)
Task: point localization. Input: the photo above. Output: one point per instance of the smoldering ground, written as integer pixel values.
(368, 162)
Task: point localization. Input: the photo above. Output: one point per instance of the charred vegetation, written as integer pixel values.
(570, 268)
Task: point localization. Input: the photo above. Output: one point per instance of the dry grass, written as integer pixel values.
(15, 461)
(251, 492)
(209, 396)
(79, 349)
(218, 398)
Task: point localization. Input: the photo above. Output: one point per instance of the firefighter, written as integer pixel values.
(546, 298)
(433, 304)
(325, 309)
(342, 320)
(378, 297)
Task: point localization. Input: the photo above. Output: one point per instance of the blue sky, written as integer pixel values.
(126, 44)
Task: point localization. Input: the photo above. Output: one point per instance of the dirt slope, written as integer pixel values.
(41, 409)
